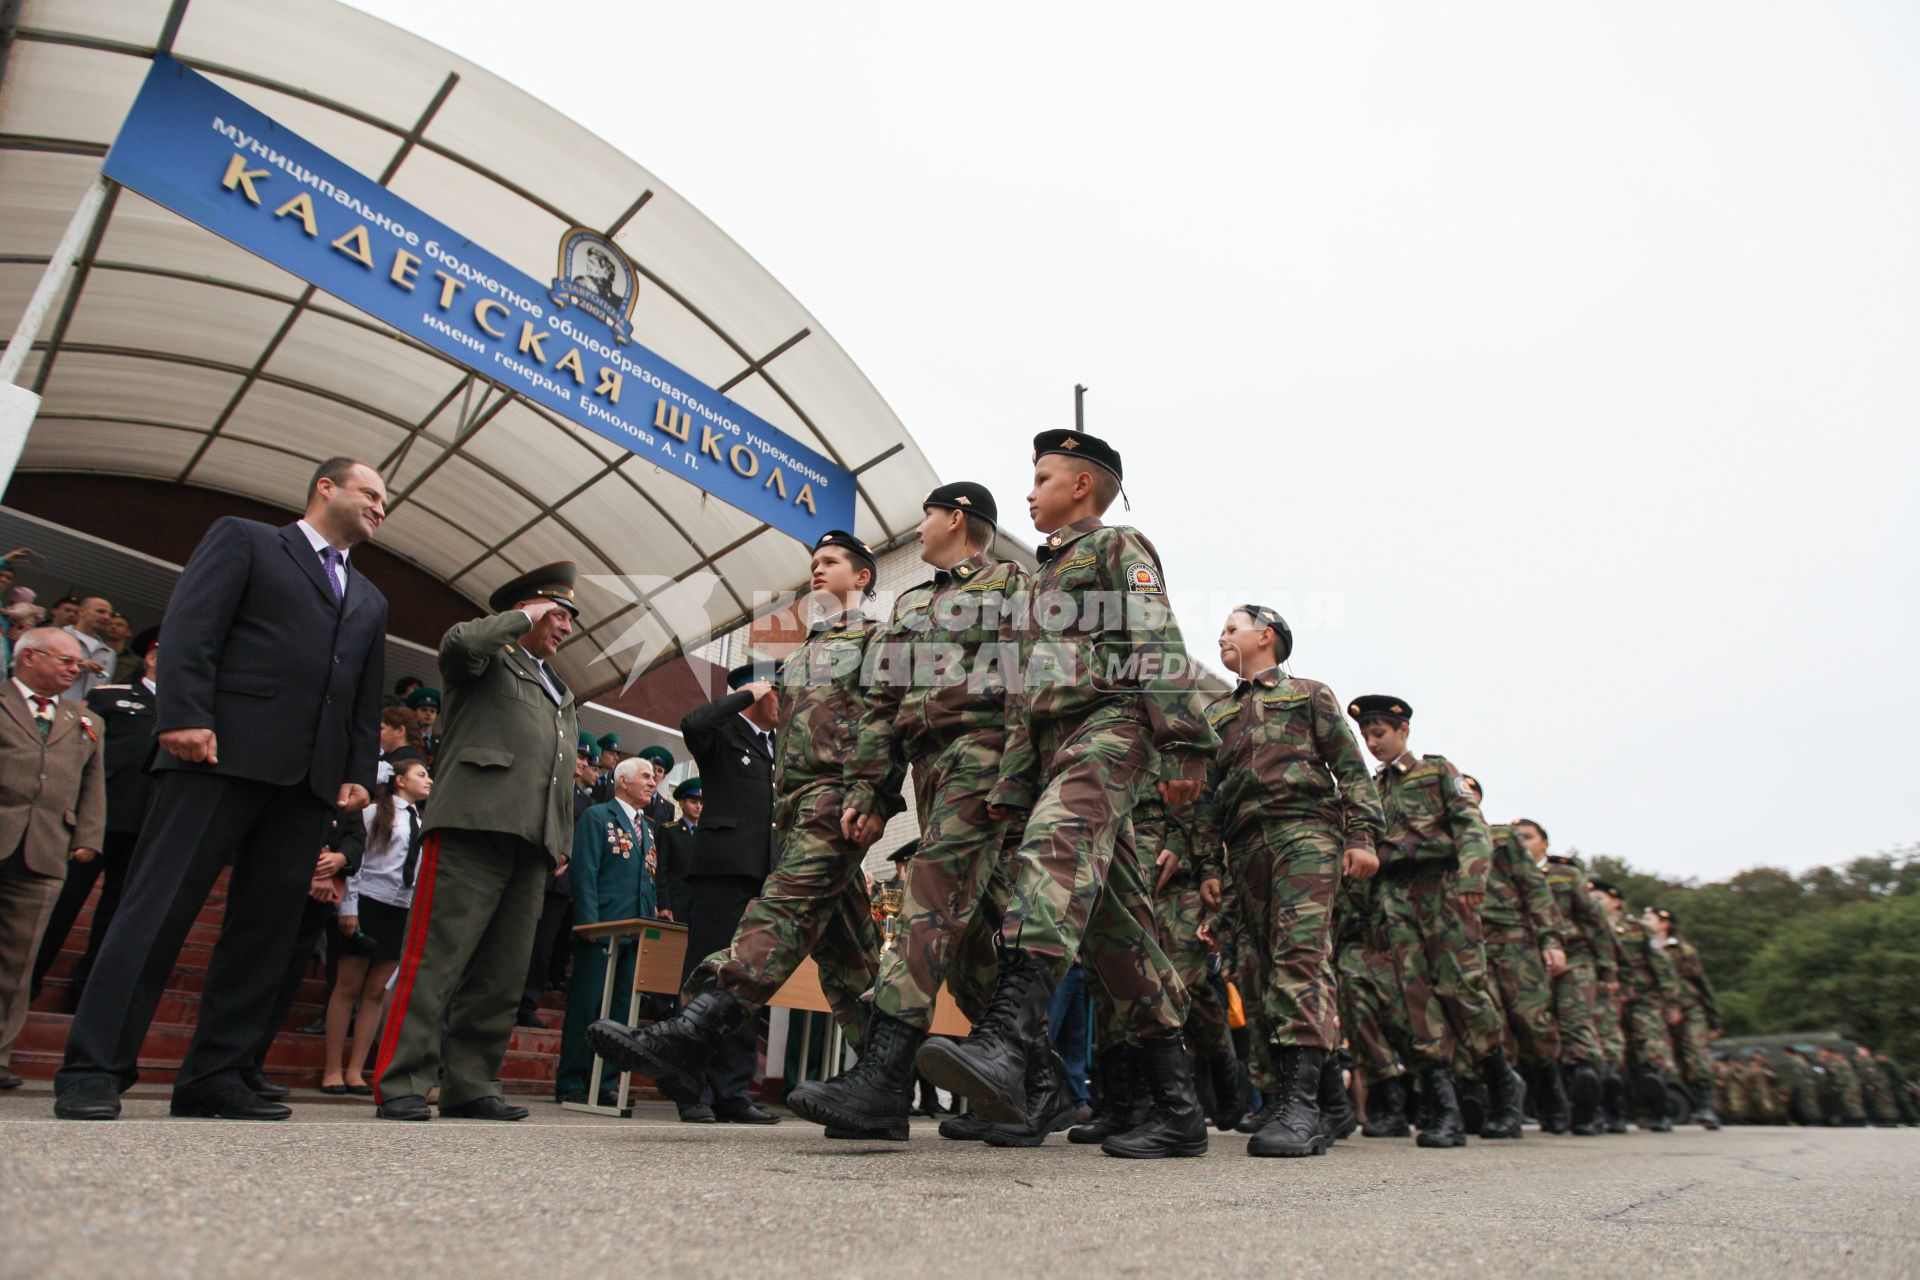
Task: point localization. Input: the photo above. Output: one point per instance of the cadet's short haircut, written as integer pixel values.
(334, 469)
(1106, 487)
(979, 530)
(1529, 822)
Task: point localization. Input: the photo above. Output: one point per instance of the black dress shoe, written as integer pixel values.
(697, 1113)
(88, 1098)
(406, 1107)
(484, 1108)
(9, 1080)
(527, 1018)
(334, 1090)
(744, 1113)
(360, 1090)
(263, 1087)
(225, 1100)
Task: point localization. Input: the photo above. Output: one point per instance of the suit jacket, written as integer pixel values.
(736, 776)
(127, 712)
(499, 731)
(53, 791)
(676, 860)
(258, 652)
(609, 885)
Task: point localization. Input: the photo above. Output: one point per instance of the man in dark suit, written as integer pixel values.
(732, 744)
(269, 708)
(127, 714)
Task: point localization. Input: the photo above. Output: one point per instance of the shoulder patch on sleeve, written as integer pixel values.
(1144, 579)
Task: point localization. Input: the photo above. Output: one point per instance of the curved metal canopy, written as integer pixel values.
(174, 355)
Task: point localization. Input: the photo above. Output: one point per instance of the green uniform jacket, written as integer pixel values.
(499, 731)
(1432, 822)
(1589, 932)
(1519, 900)
(1699, 995)
(611, 882)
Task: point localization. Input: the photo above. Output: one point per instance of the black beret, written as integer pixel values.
(549, 582)
(1265, 617)
(965, 495)
(1078, 444)
(1382, 705)
(748, 672)
(847, 542)
(1602, 886)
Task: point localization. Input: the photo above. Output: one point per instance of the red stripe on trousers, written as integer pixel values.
(410, 957)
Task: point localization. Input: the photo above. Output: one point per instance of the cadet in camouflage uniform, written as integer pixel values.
(1106, 713)
(1767, 1096)
(1526, 952)
(1875, 1090)
(814, 902)
(1575, 988)
(1725, 1089)
(1167, 853)
(1699, 1020)
(1904, 1101)
(1433, 876)
(1289, 799)
(1372, 1011)
(1801, 1084)
(1652, 991)
(936, 703)
(1609, 1003)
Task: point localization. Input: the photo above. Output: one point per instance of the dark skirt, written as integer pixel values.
(386, 925)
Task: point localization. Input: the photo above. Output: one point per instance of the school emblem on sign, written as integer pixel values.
(596, 277)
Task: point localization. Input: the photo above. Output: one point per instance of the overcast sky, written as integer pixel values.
(1555, 366)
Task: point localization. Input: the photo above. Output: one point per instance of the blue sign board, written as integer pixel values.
(191, 146)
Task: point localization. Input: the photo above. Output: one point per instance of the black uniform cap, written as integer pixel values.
(1382, 705)
(1265, 617)
(748, 672)
(1078, 444)
(847, 542)
(143, 642)
(965, 495)
(549, 582)
(1606, 887)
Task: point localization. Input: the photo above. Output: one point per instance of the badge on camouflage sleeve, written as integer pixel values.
(1460, 787)
(1144, 578)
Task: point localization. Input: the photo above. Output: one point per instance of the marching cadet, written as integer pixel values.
(1800, 1083)
(495, 835)
(1844, 1102)
(1608, 1006)
(1107, 713)
(1651, 992)
(814, 902)
(1576, 984)
(1289, 799)
(1699, 1020)
(1372, 1010)
(950, 731)
(1433, 877)
(1525, 940)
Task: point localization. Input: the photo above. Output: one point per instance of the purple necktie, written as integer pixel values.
(329, 557)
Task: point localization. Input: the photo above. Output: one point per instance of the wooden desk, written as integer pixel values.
(803, 992)
(663, 946)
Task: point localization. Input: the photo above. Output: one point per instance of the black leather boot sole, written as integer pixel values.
(1001, 1097)
(844, 1122)
(896, 1132)
(627, 1050)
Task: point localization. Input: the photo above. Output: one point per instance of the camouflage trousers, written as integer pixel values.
(1573, 1008)
(1372, 1012)
(1606, 1024)
(1079, 891)
(1646, 1033)
(1440, 961)
(1526, 995)
(956, 887)
(1177, 914)
(814, 903)
(1285, 886)
(1690, 1040)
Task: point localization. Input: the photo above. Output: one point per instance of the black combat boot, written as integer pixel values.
(1506, 1098)
(1472, 1097)
(1050, 1101)
(1174, 1125)
(874, 1096)
(1270, 1104)
(1229, 1101)
(1652, 1091)
(1555, 1107)
(1613, 1092)
(1386, 1110)
(1585, 1094)
(989, 1067)
(675, 1051)
(1336, 1104)
(968, 1126)
(1123, 1097)
(1441, 1125)
(1703, 1111)
(1296, 1130)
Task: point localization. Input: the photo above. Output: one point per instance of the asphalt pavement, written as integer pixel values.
(334, 1193)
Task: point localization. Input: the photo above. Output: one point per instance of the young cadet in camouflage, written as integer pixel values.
(1699, 1020)
(1651, 992)
(1433, 875)
(1575, 985)
(1525, 936)
(1875, 1090)
(1106, 713)
(1372, 1010)
(1289, 799)
(814, 901)
(935, 702)
(1843, 1098)
(1797, 1081)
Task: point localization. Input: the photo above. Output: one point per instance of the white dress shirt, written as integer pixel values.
(383, 865)
(315, 541)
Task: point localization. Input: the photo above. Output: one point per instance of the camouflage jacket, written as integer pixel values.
(1096, 633)
(1155, 829)
(1432, 822)
(1589, 932)
(938, 669)
(1286, 754)
(1518, 899)
(822, 697)
(1645, 971)
(1697, 993)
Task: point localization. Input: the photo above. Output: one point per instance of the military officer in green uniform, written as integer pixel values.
(500, 825)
